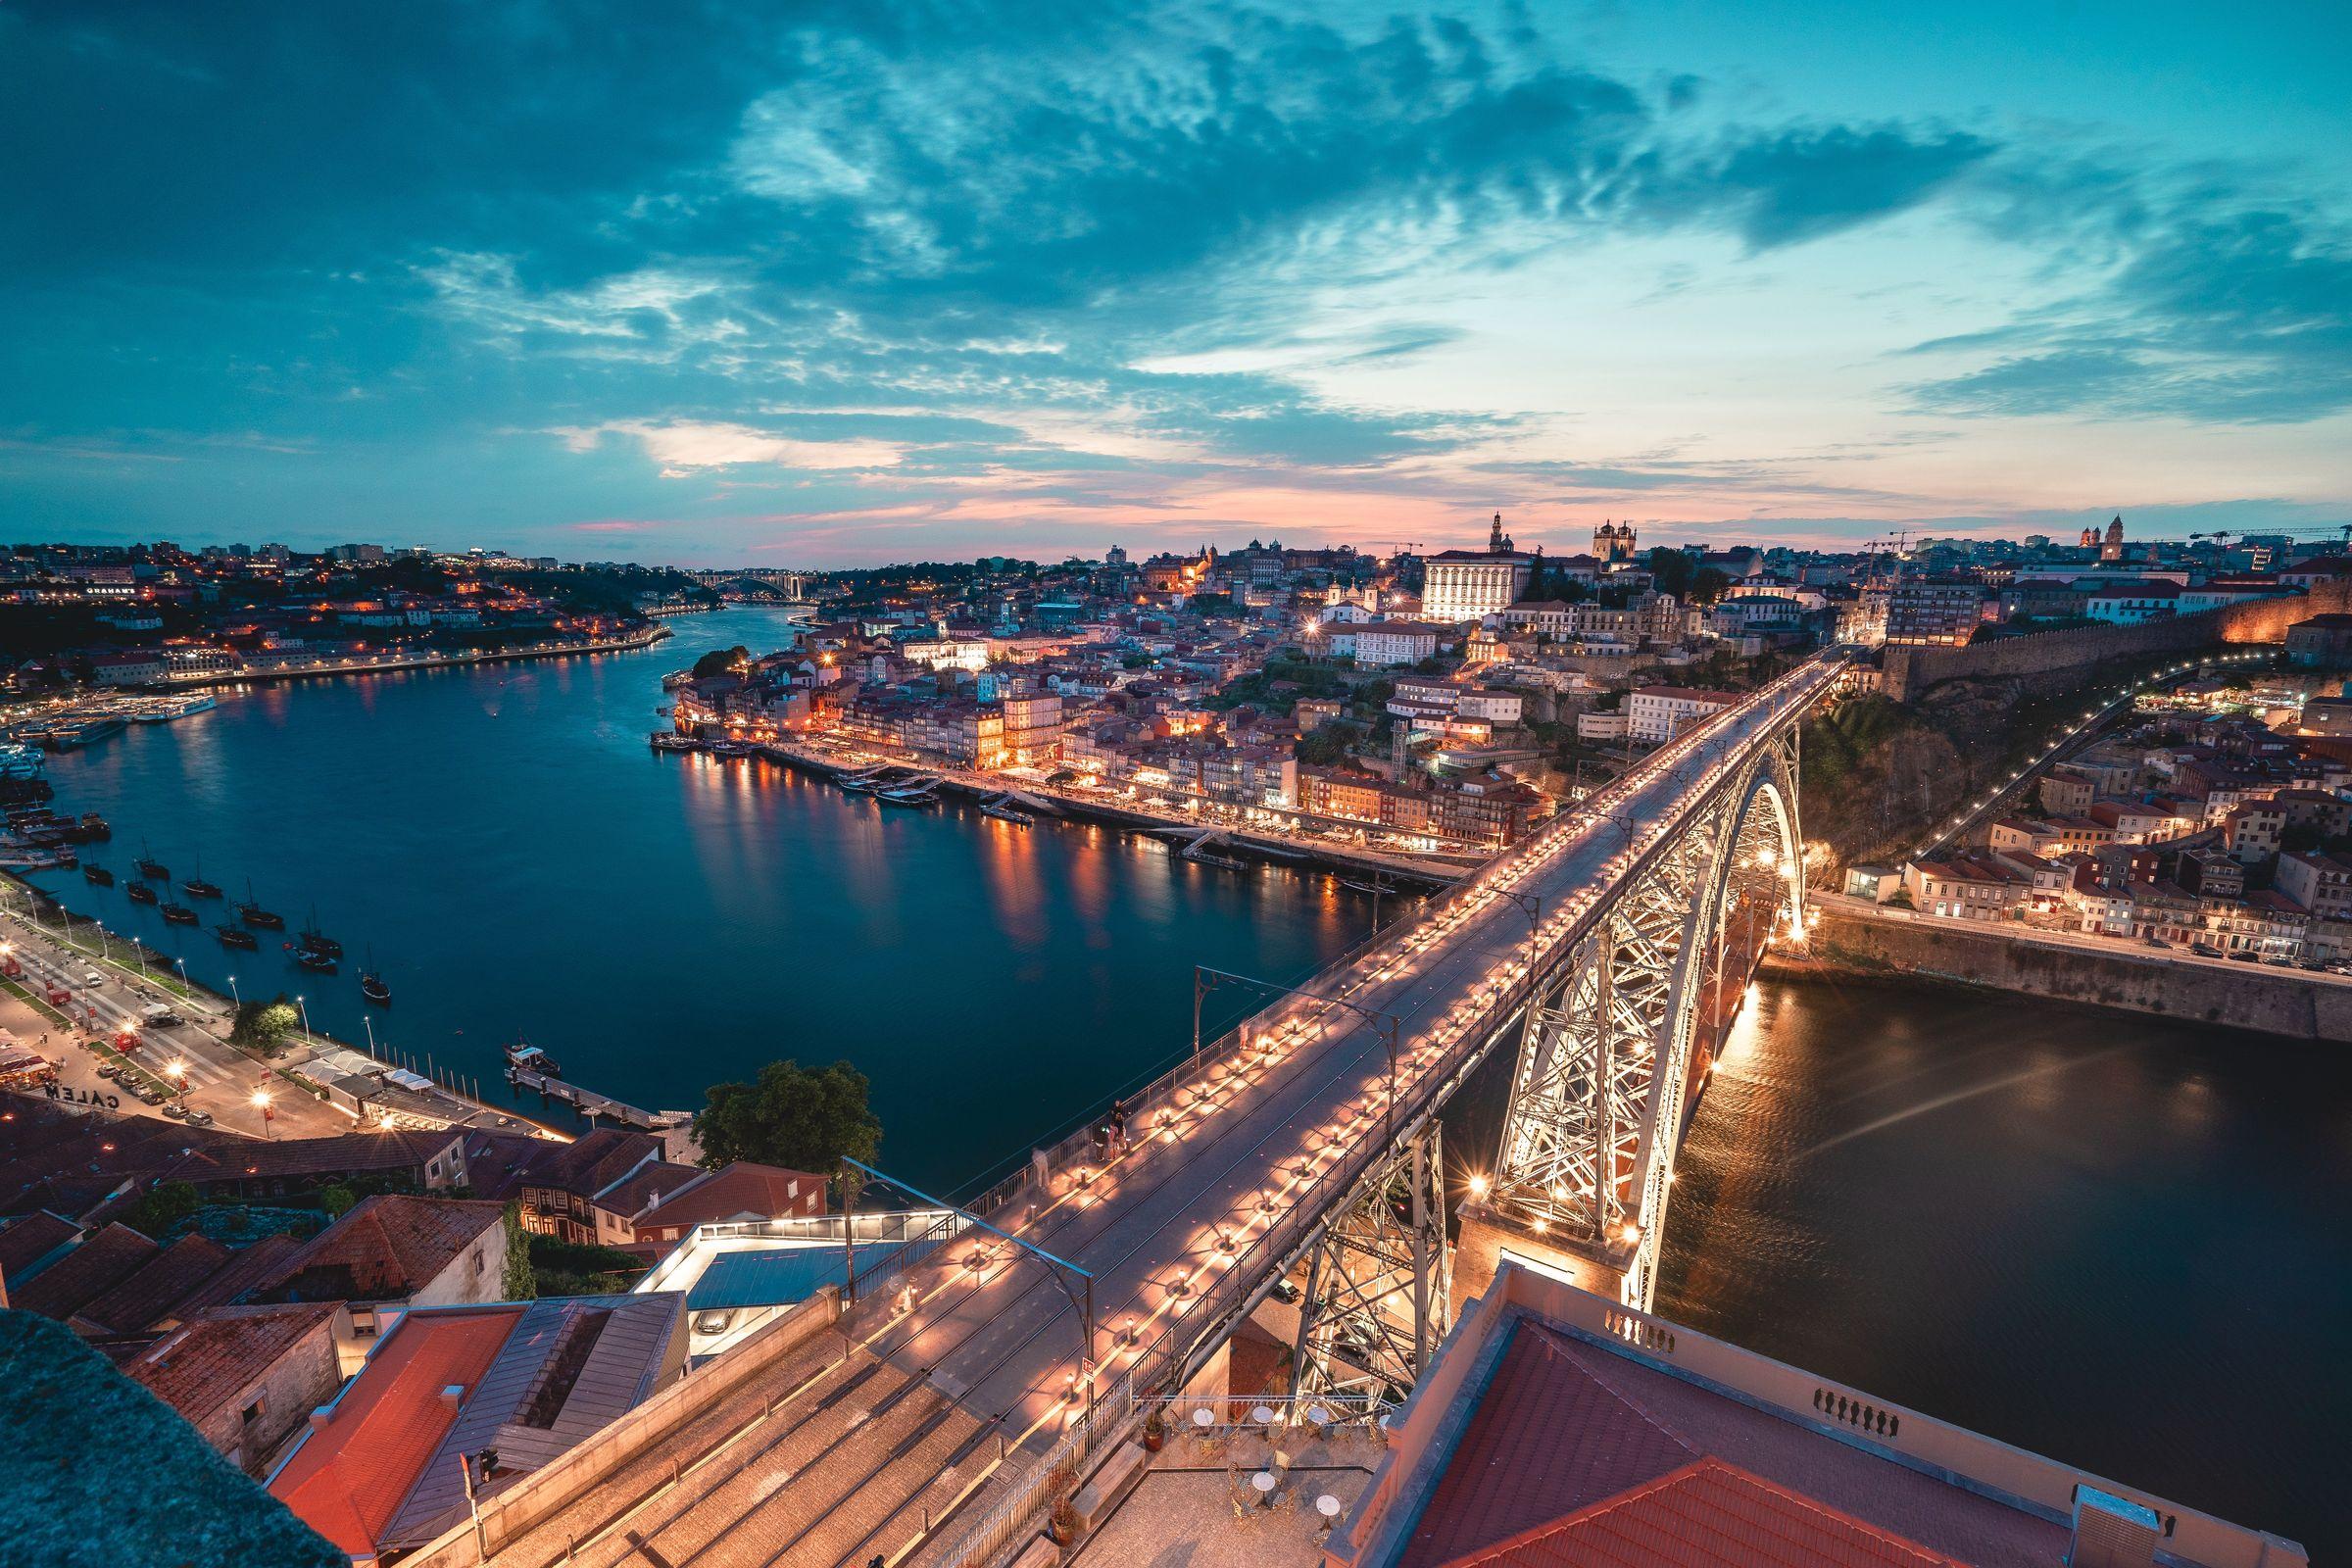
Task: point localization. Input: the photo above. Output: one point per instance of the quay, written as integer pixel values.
(1435, 871)
(588, 1103)
(384, 664)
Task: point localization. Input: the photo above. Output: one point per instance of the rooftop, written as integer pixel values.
(203, 1365)
(386, 1248)
(1559, 1428)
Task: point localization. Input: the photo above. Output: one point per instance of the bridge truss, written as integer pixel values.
(1605, 1074)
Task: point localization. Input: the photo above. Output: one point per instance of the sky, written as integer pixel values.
(828, 284)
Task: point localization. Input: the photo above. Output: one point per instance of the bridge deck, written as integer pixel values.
(988, 1352)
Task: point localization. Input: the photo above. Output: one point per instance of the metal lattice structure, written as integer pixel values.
(1378, 1283)
(1605, 1056)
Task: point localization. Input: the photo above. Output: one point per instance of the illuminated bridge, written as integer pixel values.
(960, 1392)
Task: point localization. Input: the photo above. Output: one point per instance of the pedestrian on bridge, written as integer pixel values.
(1118, 1127)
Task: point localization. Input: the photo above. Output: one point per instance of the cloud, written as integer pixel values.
(1784, 187)
(684, 447)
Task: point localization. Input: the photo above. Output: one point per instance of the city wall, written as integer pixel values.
(1912, 670)
(2243, 995)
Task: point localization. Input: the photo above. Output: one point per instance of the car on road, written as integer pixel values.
(200, 1118)
(2206, 949)
(159, 1016)
(92, 977)
(2245, 957)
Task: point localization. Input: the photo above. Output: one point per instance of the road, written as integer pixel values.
(1226, 1174)
(221, 1080)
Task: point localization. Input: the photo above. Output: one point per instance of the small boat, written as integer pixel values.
(236, 936)
(1006, 813)
(252, 915)
(96, 826)
(314, 940)
(730, 748)
(98, 874)
(1223, 862)
(178, 914)
(139, 893)
(857, 783)
(1364, 886)
(314, 961)
(196, 887)
(662, 740)
(530, 1058)
(372, 985)
(153, 869)
(923, 794)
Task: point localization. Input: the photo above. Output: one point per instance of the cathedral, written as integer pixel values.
(1610, 542)
(2112, 547)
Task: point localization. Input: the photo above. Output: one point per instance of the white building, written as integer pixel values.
(1461, 586)
(1656, 714)
(1382, 643)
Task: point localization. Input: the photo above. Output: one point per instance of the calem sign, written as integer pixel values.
(85, 1097)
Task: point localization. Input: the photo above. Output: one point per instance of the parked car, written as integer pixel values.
(200, 1118)
(159, 1016)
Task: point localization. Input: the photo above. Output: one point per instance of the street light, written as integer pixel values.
(177, 1072)
(261, 1102)
(306, 1013)
(232, 991)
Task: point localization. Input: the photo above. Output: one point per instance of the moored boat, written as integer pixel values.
(314, 960)
(140, 892)
(236, 936)
(314, 940)
(98, 874)
(252, 915)
(153, 869)
(530, 1058)
(178, 914)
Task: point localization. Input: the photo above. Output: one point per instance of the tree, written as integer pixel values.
(789, 1115)
(1324, 746)
(1671, 569)
(336, 1199)
(164, 1208)
(263, 1026)
(719, 660)
(1707, 585)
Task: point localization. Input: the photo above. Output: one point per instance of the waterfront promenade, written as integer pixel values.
(190, 1057)
(388, 662)
(962, 1399)
(830, 759)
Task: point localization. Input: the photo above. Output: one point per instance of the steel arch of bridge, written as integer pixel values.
(1598, 1096)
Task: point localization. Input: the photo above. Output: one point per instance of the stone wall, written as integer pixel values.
(2240, 996)
(1912, 670)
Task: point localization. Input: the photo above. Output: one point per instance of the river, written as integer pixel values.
(2115, 1239)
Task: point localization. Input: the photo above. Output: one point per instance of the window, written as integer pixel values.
(477, 1263)
(252, 1412)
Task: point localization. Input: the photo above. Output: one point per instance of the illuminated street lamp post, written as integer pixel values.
(306, 1013)
(232, 991)
(177, 1072)
(261, 1102)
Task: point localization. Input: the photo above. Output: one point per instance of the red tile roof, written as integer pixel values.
(198, 1368)
(742, 1188)
(28, 1240)
(1548, 1439)
(349, 1476)
(71, 1283)
(1708, 1514)
(153, 1288)
(385, 1249)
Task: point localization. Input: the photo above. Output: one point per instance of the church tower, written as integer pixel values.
(1497, 542)
(2113, 549)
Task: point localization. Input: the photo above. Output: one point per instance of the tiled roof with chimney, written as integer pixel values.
(594, 1162)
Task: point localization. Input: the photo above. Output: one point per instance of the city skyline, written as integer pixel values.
(806, 289)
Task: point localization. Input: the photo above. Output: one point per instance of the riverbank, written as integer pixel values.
(45, 963)
(1851, 944)
(1278, 848)
(387, 663)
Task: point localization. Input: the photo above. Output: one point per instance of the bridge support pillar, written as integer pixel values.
(1378, 1298)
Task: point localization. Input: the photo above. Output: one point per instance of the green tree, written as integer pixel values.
(521, 1280)
(164, 1208)
(1707, 585)
(336, 1199)
(1671, 569)
(789, 1115)
(263, 1026)
(719, 660)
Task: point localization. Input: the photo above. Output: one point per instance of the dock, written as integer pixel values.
(588, 1103)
